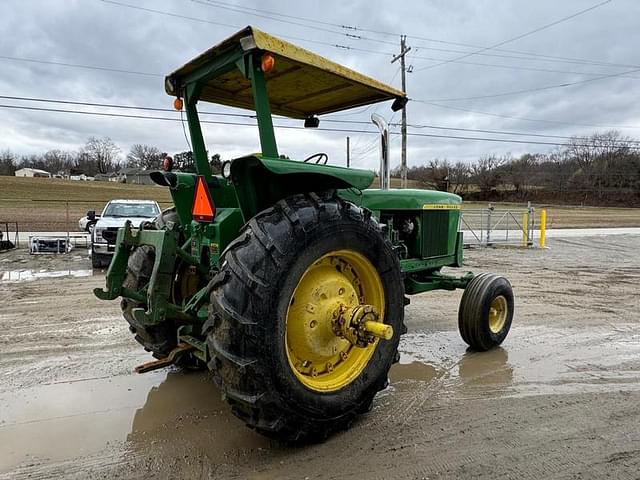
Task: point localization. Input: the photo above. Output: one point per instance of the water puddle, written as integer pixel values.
(532, 361)
(171, 411)
(28, 275)
(175, 414)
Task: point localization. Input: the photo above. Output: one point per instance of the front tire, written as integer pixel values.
(486, 311)
(279, 377)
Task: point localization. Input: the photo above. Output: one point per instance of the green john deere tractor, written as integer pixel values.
(288, 279)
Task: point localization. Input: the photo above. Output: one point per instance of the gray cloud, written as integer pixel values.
(96, 33)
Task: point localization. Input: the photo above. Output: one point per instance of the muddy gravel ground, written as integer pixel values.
(560, 399)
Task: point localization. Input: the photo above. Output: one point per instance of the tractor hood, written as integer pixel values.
(403, 199)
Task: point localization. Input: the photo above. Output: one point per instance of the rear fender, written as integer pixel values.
(260, 182)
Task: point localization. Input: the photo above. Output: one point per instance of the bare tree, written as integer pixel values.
(59, 160)
(520, 172)
(33, 161)
(8, 163)
(145, 157)
(459, 177)
(101, 154)
(595, 156)
(486, 173)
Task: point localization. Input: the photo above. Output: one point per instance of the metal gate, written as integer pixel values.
(491, 226)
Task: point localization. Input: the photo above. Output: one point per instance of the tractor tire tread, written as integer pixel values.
(235, 341)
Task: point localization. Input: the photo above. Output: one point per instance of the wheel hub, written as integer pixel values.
(498, 314)
(360, 325)
(334, 320)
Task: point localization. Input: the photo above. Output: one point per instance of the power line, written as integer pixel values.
(341, 130)
(359, 37)
(518, 37)
(498, 132)
(538, 120)
(156, 109)
(253, 116)
(77, 65)
(520, 67)
(531, 90)
(237, 9)
(356, 49)
(344, 47)
(351, 28)
(211, 22)
(544, 58)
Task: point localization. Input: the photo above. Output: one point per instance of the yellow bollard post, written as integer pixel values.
(543, 227)
(525, 229)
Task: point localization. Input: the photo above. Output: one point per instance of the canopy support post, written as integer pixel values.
(263, 109)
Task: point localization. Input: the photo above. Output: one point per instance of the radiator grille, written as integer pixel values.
(436, 233)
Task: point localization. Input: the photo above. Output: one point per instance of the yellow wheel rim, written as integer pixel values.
(498, 314)
(320, 359)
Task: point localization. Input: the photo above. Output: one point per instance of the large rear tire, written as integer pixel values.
(275, 284)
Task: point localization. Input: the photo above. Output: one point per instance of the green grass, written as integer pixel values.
(44, 204)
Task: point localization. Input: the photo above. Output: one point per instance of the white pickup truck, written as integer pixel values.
(114, 215)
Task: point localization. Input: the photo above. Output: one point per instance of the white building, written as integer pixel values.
(32, 172)
(82, 177)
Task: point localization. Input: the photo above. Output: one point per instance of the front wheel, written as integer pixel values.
(486, 311)
(306, 315)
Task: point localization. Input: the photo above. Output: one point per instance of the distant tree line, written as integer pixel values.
(99, 155)
(602, 168)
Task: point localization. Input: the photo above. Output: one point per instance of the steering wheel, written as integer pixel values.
(319, 156)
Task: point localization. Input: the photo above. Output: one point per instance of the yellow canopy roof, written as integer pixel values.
(300, 85)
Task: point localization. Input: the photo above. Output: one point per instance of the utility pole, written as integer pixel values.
(347, 152)
(403, 129)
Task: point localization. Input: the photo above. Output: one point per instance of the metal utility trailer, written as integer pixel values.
(288, 279)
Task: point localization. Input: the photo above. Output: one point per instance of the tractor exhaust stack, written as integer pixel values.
(381, 123)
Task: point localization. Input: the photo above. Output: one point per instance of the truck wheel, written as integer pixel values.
(99, 261)
(486, 311)
(275, 335)
(157, 339)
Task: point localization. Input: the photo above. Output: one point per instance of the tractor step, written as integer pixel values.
(170, 359)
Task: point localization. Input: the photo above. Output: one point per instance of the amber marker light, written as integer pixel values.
(268, 62)
(178, 104)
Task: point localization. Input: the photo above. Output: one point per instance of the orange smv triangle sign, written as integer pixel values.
(203, 209)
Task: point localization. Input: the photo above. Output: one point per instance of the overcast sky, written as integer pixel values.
(601, 42)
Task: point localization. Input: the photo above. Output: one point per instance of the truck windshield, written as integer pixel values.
(131, 210)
